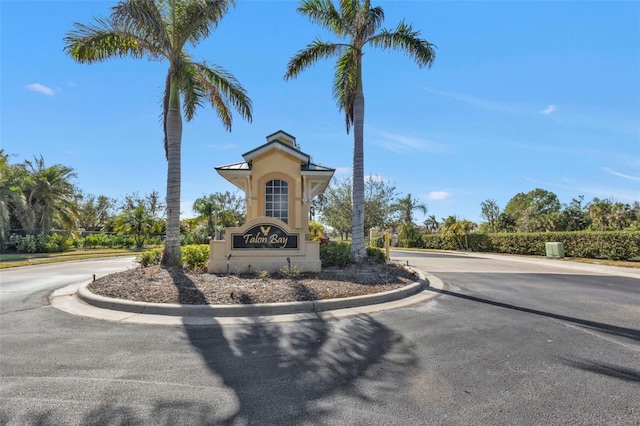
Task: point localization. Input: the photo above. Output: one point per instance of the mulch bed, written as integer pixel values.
(158, 285)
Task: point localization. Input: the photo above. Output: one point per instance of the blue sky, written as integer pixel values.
(522, 95)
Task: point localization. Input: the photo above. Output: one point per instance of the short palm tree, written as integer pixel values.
(207, 209)
(136, 221)
(12, 200)
(160, 29)
(50, 196)
(356, 24)
(406, 206)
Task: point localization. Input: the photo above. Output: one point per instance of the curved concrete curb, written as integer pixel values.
(260, 309)
(77, 300)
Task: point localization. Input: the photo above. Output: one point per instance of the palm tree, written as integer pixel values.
(432, 224)
(208, 209)
(452, 226)
(50, 196)
(599, 212)
(136, 221)
(355, 23)
(12, 202)
(160, 29)
(406, 206)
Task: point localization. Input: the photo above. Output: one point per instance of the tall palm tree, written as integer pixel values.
(406, 206)
(160, 29)
(356, 24)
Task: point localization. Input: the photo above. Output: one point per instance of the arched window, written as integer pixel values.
(277, 200)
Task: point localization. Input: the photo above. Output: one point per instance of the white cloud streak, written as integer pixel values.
(480, 103)
(598, 191)
(223, 147)
(622, 175)
(403, 144)
(40, 88)
(549, 110)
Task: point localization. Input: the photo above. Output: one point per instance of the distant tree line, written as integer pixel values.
(42, 209)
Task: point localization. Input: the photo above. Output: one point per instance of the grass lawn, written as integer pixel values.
(12, 260)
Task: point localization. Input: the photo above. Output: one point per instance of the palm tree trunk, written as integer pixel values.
(358, 251)
(171, 257)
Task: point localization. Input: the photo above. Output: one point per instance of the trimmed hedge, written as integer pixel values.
(613, 245)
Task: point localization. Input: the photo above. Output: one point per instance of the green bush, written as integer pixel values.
(376, 254)
(613, 245)
(41, 243)
(23, 244)
(57, 243)
(195, 257)
(336, 254)
(150, 257)
(377, 242)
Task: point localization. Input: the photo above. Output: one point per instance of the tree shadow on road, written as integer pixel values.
(284, 373)
(605, 369)
(628, 333)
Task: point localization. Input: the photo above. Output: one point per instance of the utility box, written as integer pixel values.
(554, 250)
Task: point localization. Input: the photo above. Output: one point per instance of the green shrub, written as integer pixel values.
(336, 254)
(377, 242)
(195, 257)
(56, 243)
(150, 257)
(613, 245)
(376, 254)
(23, 244)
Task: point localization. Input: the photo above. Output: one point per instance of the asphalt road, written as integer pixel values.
(505, 343)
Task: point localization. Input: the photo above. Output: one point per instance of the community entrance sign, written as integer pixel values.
(265, 237)
(279, 181)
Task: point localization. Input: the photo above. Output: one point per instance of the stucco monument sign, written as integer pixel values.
(279, 181)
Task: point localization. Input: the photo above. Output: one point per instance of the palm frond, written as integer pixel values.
(99, 42)
(349, 10)
(405, 39)
(199, 17)
(189, 85)
(324, 13)
(223, 91)
(140, 17)
(374, 17)
(314, 51)
(345, 83)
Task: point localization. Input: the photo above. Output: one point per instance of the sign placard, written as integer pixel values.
(264, 237)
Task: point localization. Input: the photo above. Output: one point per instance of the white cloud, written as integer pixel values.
(223, 147)
(438, 195)
(404, 144)
(71, 84)
(376, 178)
(608, 170)
(481, 103)
(343, 171)
(40, 88)
(549, 110)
